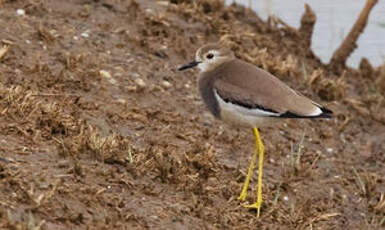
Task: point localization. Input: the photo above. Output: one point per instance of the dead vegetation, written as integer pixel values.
(97, 129)
(347, 47)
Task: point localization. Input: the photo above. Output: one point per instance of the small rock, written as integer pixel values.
(285, 198)
(166, 84)
(329, 150)
(108, 76)
(105, 74)
(135, 75)
(121, 101)
(20, 12)
(140, 82)
(131, 88)
(112, 80)
(85, 35)
(154, 217)
(163, 3)
(149, 12)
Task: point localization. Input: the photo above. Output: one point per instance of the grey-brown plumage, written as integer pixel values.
(206, 86)
(237, 91)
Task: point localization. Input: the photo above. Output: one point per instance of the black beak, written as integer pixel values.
(189, 65)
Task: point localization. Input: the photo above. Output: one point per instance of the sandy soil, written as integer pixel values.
(99, 130)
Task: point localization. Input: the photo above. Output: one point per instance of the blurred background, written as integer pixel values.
(334, 21)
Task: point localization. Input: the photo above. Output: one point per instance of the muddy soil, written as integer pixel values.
(99, 130)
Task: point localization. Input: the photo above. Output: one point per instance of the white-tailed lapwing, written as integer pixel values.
(242, 94)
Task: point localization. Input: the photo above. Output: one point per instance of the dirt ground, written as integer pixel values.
(99, 130)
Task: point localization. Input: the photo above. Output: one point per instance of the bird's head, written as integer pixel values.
(210, 56)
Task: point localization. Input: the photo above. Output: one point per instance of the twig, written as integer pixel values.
(3, 203)
(359, 180)
(130, 158)
(3, 50)
(325, 216)
(53, 95)
(300, 147)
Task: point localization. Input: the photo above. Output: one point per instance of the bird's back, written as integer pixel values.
(242, 83)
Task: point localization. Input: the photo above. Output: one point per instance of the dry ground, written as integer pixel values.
(99, 130)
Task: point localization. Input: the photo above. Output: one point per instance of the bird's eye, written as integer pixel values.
(209, 56)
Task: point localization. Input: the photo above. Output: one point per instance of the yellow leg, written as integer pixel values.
(243, 194)
(259, 148)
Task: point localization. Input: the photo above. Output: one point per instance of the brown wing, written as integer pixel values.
(246, 85)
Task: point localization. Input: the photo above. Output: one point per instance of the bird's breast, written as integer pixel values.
(206, 89)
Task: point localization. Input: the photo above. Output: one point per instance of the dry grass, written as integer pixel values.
(327, 88)
(25, 222)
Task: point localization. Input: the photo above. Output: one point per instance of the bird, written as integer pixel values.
(241, 94)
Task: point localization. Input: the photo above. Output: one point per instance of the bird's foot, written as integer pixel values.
(256, 205)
